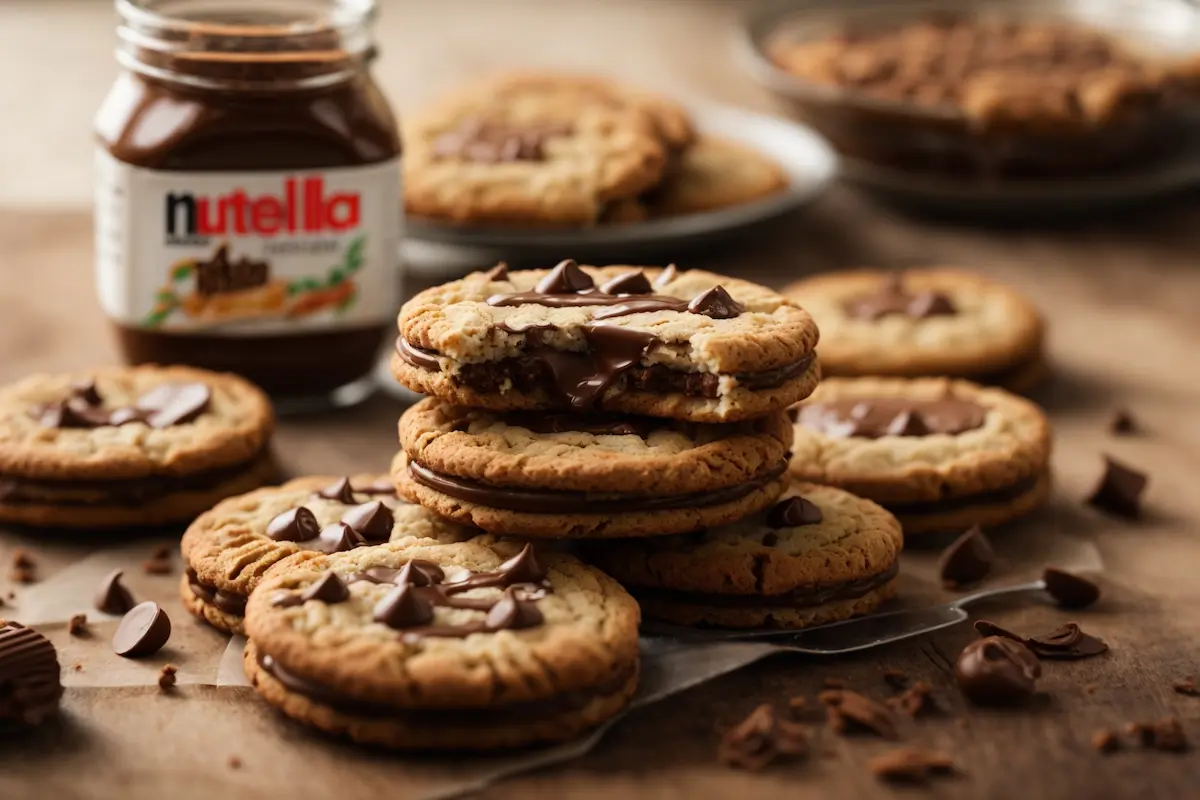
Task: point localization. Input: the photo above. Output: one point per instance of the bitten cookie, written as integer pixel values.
(461, 646)
(129, 446)
(228, 549)
(686, 345)
(925, 322)
(587, 476)
(941, 455)
(536, 150)
(819, 555)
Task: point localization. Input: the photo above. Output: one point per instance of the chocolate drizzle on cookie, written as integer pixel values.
(893, 297)
(163, 406)
(875, 417)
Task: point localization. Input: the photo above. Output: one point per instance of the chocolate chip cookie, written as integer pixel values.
(559, 475)
(459, 646)
(228, 549)
(129, 446)
(942, 455)
(936, 321)
(688, 345)
(818, 555)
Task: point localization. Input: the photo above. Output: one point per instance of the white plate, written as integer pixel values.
(806, 157)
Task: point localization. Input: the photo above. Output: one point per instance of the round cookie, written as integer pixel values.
(229, 548)
(819, 555)
(362, 645)
(689, 345)
(942, 455)
(937, 321)
(713, 174)
(531, 150)
(129, 446)
(553, 475)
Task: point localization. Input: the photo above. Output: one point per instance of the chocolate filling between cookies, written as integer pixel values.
(229, 602)
(553, 502)
(807, 596)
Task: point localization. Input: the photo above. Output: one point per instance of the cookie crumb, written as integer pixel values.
(895, 678)
(77, 667)
(1106, 741)
(797, 706)
(1166, 734)
(911, 765)
(1091, 688)
(835, 683)
(77, 626)
(235, 762)
(916, 700)
(21, 559)
(1187, 686)
(760, 738)
(848, 711)
(156, 567)
(166, 677)
(1123, 423)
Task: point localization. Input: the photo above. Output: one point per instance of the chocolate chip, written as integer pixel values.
(1106, 741)
(930, 304)
(629, 283)
(87, 392)
(373, 521)
(77, 625)
(760, 738)
(338, 537)
(142, 632)
(911, 765)
(1070, 590)
(419, 573)
(913, 701)
(403, 608)
(341, 491)
(156, 566)
(31, 682)
(908, 423)
(376, 575)
(794, 512)
(166, 677)
(112, 597)
(967, 560)
(174, 403)
(523, 568)
(566, 278)
(1166, 734)
(716, 303)
(329, 588)
(23, 575)
(1187, 686)
(497, 273)
(848, 711)
(667, 275)
(512, 612)
(21, 559)
(997, 671)
(294, 525)
(1123, 423)
(1120, 490)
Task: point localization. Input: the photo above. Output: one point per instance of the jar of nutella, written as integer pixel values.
(248, 210)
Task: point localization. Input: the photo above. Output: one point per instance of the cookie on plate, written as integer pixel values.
(716, 173)
(937, 321)
(467, 646)
(942, 455)
(818, 555)
(228, 549)
(559, 475)
(533, 151)
(129, 446)
(686, 345)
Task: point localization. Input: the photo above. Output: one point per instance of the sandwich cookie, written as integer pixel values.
(685, 345)
(228, 549)
(925, 322)
(468, 646)
(129, 446)
(941, 455)
(557, 475)
(819, 555)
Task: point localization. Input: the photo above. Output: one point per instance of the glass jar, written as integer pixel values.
(248, 210)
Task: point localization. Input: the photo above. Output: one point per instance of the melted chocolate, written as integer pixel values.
(807, 596)
(163, 406)
(552, 502)
(229, 602)
(491, 143)
(874, 417)
(893, 297)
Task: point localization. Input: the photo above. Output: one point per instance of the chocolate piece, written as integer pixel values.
(666, 276)
(911, 764)
(874, 417)
(997, 671)
(716, 303)
(87, 392)
(112, 597)
(340, 491)
(497, 273)
(1067, 642)
(163, 406)
(373, 521)
(21, 559)
(157, 566)
(523, 567)
(493, 142)
(422, 359)
(967, 560)
(173, 403)
(403, 608)
(142, 632)
(1166, 734)
(893, 297)
(895, 678)
(294, 525)
(1187, 686)
(913, 701)
(1106, 741)
(77, 625)
(930, 304)
(235, 762)
(512, 612)
(794, 512)
(848, 711)
(417, 572)
(338, 537)
(1123, 423)
(166, 677)
(1070, 590)
(634, 282)
(565, 278)
(1120, 490)
(328, 589)
(760, 738)
(30, 687)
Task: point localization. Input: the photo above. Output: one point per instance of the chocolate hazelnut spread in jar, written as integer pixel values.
(248, 207)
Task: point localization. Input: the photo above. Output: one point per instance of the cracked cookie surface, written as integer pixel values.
(567, 666)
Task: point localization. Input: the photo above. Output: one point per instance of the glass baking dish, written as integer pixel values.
(939, 140)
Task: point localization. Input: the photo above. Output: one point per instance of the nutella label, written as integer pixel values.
(246, 253)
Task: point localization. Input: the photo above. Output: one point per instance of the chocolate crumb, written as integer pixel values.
(757, 740)
(911, 765)
(166, 677)
(156, 566)
(835, 683)
(1091, 688)
(21, 559)
(1166, 734)
(23, 575)
(1187, 686)
(848, 711)
(895, 678)
(914, 701)
(1106, 741)
(235, 762)
(797, 706)
(160, 553)
(77, 667)
(1123, 423)
(77, 626)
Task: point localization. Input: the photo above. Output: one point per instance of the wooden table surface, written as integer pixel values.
(1121, 297)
